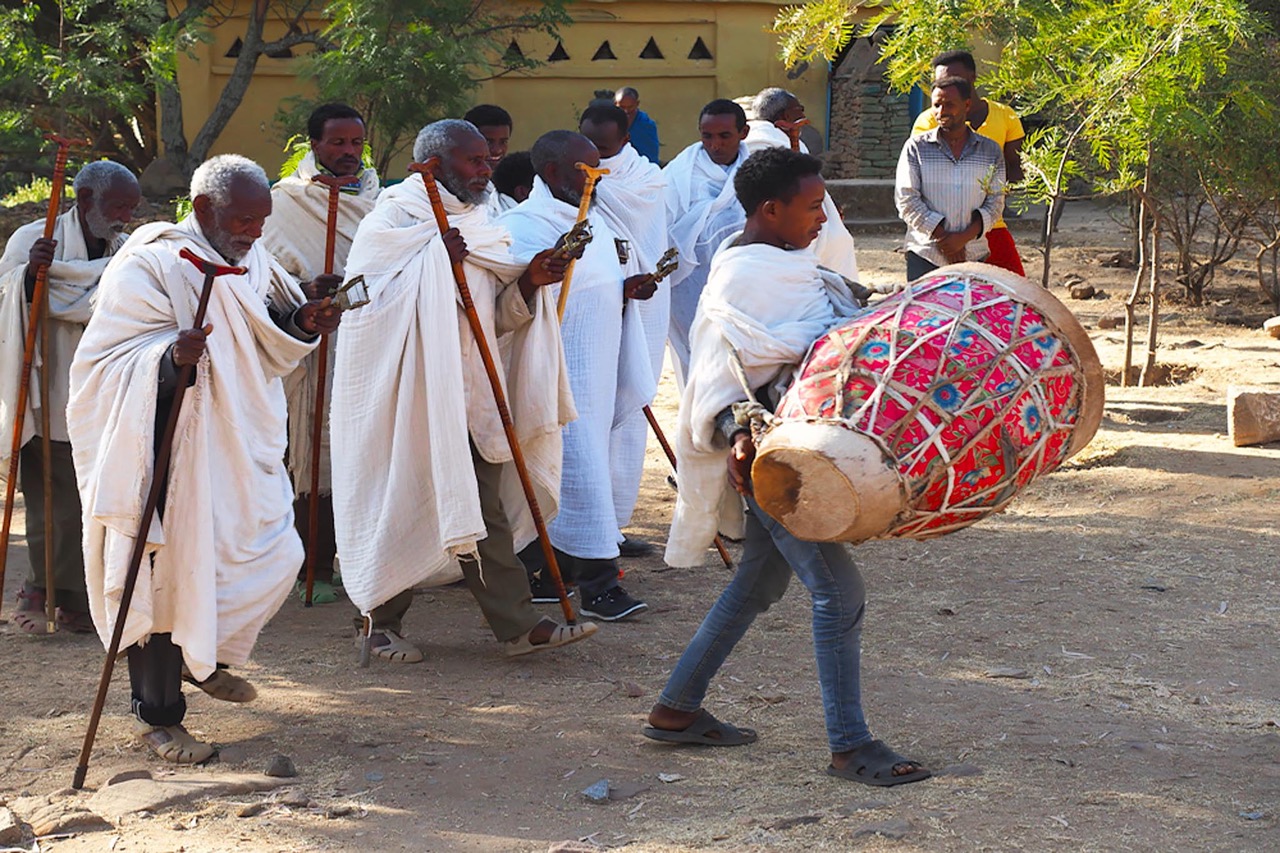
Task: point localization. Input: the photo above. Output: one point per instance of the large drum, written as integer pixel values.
(930, 410)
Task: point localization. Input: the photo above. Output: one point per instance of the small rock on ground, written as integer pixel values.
(960, 770)
(573, 847)
(895, 828)
(10, 829)
(57, 818)
(281, 766)
(792, 822)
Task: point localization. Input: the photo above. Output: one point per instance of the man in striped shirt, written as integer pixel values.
(950, 185)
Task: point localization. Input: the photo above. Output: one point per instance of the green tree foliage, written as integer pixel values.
(408, 63)
(80, 68)
(1133, 92)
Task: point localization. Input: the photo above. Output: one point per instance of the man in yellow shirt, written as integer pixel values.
(995, 121)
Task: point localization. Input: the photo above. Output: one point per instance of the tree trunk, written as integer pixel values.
(233, 91)
(1049, 217)
(1153, 324)
(1139, 260)
(172, 134)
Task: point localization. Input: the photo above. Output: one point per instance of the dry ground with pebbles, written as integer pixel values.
(1097, 667)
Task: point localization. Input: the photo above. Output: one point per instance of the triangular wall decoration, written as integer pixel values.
(699, 50)
(651, 50)
(234, 50)
(603, 52)
(559, 54)
(514, 53)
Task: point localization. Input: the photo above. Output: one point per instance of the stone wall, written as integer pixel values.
(868, 123)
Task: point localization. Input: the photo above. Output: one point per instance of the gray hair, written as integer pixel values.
(97, 176)
(439, 138)
(626, 92)
(552, 147)
(771, 103)
(214, 176)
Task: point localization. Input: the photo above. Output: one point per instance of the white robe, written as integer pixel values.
(834, 247)
(609, 369)
(226, 555)
(410, 393)
(704, 210)
(72, 283)
(769, 305)
(632, 199)
(295, 234)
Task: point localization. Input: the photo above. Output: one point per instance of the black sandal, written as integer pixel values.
(873, 764)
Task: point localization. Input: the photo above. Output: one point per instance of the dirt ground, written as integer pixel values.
(1095, 669)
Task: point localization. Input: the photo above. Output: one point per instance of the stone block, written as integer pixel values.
(1253, 415)
(152, 795)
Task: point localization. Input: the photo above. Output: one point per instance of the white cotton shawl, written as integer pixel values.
(409, 391)
(72, 281)
(834, 247)
(702, 206)
(295, 234)
(225, 557)
(538, 222)
(769, 305)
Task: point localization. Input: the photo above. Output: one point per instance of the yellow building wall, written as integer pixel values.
(672, 90)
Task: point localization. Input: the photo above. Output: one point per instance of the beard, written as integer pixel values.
(100, 226)
(222, 240)
(457, 185)
(568, 194)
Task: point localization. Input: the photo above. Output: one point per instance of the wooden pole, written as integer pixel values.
(671, 457)
(335, 183)
(159, 477)
(593, 175)
(499, 398)
(39, 307)
(792, 130)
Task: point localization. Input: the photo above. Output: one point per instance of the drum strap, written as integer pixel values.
(751, 413)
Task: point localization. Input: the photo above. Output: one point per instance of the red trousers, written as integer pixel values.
(1004, 253)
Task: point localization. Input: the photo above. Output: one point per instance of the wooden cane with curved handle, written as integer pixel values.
(159, 478)
(38, 312)
(499, 398)
(593, 176)
(335, 183)
(792, 130)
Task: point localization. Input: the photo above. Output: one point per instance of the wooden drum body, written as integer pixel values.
(930, 410)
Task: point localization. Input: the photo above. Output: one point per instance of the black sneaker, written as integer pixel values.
(632, 547)
(544, 591)
(613, 604)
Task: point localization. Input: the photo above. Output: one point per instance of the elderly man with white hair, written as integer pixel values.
(776, 113)
(426, 488)
(84, 239)
(221, 552)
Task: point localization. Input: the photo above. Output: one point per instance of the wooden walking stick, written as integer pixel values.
(671, 457)
(335, 183)
(39, 310)
(792, 130)
(499, 398)
(593, 175)
(159, 476)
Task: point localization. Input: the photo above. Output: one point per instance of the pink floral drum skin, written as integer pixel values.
(971, 383)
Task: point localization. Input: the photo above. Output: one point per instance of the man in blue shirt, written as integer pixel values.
(644, 130)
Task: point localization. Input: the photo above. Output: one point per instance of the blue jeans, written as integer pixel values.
(769, 556)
